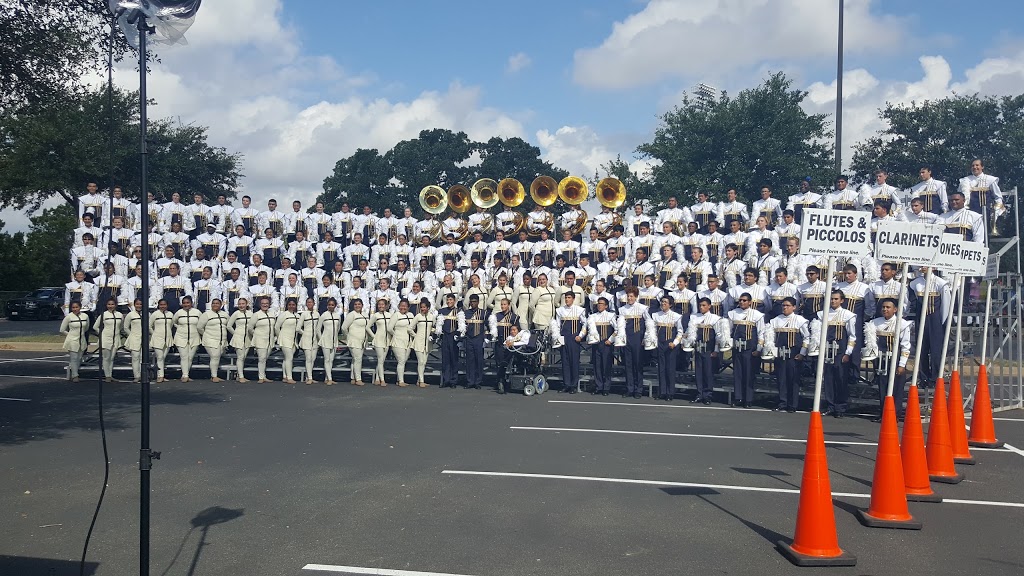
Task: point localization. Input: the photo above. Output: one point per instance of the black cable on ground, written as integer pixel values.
(99, 386)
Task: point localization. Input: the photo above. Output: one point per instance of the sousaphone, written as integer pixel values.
(573, 190)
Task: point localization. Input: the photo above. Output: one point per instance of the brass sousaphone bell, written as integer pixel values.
(484, 193)
(433, 199)
(573, 190)
(459, 201)
(544, 191)
(611, 192)
(512, 193)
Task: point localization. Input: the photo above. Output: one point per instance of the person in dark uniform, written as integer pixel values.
(630, 334)
(881, 340)
(500, 324)
(569, 328)
(934, 303)
(601, 337)
(705, 334)
(476, 330)
(791, 336)
(450, 326)
(666, 328)
(748, 340)
(840, 345)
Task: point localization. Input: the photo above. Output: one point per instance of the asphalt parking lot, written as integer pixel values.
(303, 480)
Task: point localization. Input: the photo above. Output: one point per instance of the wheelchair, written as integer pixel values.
(526, 367)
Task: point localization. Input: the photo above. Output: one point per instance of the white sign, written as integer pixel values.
(835, 233)
(907, 242)
(992, 270)
(960, 256)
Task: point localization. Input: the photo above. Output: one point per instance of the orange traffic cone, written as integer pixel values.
(983, 431)
(888, 508)
(816, 542)
(957, 425)
(939, 451)
(915, 464)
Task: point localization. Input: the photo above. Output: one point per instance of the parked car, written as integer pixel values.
(41, 304)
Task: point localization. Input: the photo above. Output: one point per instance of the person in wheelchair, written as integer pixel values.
(522, 350)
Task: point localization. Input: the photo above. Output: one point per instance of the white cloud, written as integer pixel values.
(517, 62)
(864, 94)
(695, 38)
(578, 149)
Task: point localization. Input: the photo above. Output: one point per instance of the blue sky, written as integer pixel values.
(296, 85)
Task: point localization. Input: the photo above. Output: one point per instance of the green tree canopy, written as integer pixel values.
(946, 134)
(762, 137)
(48, 45)
(54, 148)
(438, 156)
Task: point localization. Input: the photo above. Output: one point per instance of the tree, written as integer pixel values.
(762, 137)
(437, 156)
(361, 179)
(637, 186)
(49, 45)
(47, 245)
(946, 135)
(54, 148)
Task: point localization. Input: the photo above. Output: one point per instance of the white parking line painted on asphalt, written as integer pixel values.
(720, 437)
(39, 359)
(693, 407)
(374, 571)
(16, 399)
(734, 487)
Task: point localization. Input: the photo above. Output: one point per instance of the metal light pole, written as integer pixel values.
(839, 94)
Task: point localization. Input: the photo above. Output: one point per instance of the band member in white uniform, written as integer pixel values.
(75, 327)
(749, 332)
(840, 343)
(238, 326)
(767, 207)
(328, 328)
(186, 335)
(261, 332)
(666, 329)
(213, 326)
(708, 334)
(931, 192)
(981, 190)
(379, 326)
(843, 197)
(881, 341)
(961, 220)
(287, 327)
(308, 339)
(400, 330)
(356, 328)
(131, 328)
(108, 325)
(161, 336)
(423, 340)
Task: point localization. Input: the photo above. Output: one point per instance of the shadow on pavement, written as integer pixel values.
(25, 566)
(203, 521)
(57, 409)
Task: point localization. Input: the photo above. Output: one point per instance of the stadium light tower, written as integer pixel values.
(705, 95)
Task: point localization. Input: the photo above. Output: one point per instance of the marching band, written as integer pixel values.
(629, 288)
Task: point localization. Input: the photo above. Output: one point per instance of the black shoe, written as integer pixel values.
(594, 393)
(876, 419)
(791, 410)
(838, 415)
(779, 409)
(637, 395)
(829, 412)
(501, 389)
(696, 400)
(707, 401)
(573, 390)
(604, 393)
(476, 386)
(748, 405)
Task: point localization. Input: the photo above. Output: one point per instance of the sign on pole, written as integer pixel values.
(914, 243)
(992, 269)
(960, 256)
(835, 233)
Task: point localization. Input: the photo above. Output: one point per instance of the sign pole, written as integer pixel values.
(958, 284)
(823, 337)
(896, 335)
(920, 326)
(985, 327)
(959, 323)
